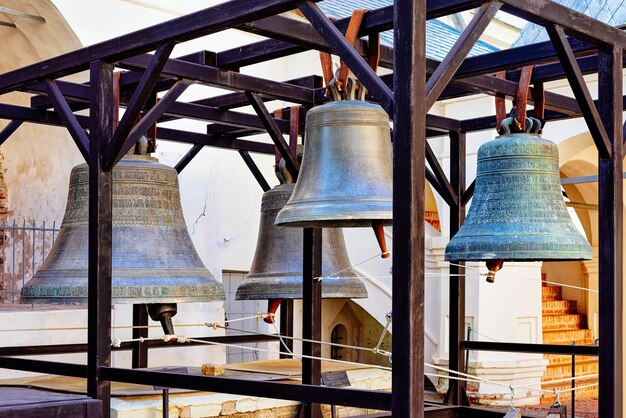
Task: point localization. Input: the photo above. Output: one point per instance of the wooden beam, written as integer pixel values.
(76, 131)
(203, 22)
(449, 194)
(9, 130)
(102, 124)
(293, 165)
(456, 300)
(254, 169)
(230, 80)
(409, 149)
(586, 28)
(136, 104)
(114, 154)
(349, 55)
(579, 87)
(217, 141)
(453, 60)
(610, 248)
(190, 155)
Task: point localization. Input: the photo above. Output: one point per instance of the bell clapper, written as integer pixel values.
(493, 266)
(272, 307)
(379, 231)
(163, 313)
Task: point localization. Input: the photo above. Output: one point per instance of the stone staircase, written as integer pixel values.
(562, 324)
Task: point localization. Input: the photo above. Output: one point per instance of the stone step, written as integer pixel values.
(550, 292)
(563, 322)
(562, 371)
(553, 307)
(579, 336)
(559, 359)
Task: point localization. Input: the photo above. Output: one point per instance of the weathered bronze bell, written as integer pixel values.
(518, 212)
(276, 271)
(154, 260)
(345, 178)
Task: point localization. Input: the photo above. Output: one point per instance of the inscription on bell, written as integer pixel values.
(517, 212)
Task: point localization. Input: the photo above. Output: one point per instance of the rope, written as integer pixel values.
(482, 335)
(280, 337)
(85, 328)
(515, 277)
(286, 353)
(329, 276)
(355, 347)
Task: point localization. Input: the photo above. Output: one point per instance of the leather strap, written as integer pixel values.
(522, 97)
(500, 104)
(326, 59)
(351, 36)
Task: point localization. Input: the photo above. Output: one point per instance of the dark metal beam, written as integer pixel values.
(190, 155)
(409, 150)
(610, 248)
(454, 58)
(293, 165)
(579, 350)
(203, 22)
(324, 395)
(349, 55)
(69, 119)
(102, 124)
(8, 130)
(115, 153)
(254, 169)
(41, 366)
(579, 87)
(115, 148)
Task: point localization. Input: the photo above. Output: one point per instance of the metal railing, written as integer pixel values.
(24, 249)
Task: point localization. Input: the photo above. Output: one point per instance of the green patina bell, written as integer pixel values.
(518, 212)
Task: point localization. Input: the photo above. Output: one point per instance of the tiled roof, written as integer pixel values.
(439, 37)
(612, 12)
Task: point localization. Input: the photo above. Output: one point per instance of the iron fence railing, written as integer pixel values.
(24, 249)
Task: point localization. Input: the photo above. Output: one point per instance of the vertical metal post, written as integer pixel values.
(409, 121)
(286, 325)
(312, 313)
(101, 125)
(456, 390)
(140, 350)
(573, 384)
(610, 182)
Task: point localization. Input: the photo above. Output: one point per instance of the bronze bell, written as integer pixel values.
(154, 260)
(345, 178)
(276, 271)
(517, 212)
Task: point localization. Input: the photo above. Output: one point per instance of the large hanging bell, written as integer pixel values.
(518, 212)
(345, 178)
(276, 271)
(154, 260)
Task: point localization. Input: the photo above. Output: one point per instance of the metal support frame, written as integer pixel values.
(599, 48)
